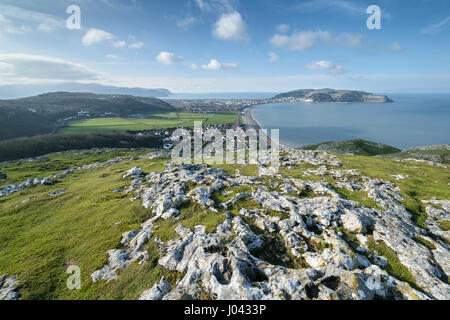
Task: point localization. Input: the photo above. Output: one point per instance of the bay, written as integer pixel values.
(412, 120)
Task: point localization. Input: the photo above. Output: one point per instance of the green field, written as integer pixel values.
(156, 121)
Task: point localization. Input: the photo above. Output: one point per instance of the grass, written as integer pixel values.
(360, 196)
(442, 155)
(394, 266)
(40, 238)
(357, 146)
(424, 242)
(156, 121)
(191, 216)
(19, 171)
(445, 225)
(424, 182)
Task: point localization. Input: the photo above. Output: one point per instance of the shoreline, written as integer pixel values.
(249, 122)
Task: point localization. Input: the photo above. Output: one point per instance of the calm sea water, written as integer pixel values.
(412, 120)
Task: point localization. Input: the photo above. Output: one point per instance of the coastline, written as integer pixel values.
(249, 122)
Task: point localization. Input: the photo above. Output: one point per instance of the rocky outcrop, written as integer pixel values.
(438, 211)
(286, 245)
(8, 286)
(135, 172)
(27, 184)
(158, 291)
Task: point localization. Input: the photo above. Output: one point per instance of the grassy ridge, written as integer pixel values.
(40, 238)
(357, 146)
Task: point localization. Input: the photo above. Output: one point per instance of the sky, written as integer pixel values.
(200, 46)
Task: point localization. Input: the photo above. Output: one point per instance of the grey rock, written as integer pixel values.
(158, 291)
(8, 286)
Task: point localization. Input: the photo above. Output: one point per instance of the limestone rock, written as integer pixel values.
(8, 286)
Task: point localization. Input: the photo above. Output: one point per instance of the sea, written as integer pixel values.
(411, 120)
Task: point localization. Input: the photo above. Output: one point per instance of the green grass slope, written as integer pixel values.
(41, 237)
(357, 146)
(37, 115)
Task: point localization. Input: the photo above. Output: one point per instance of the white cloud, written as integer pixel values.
(437, 27)
(283, 28)
(327, 66)
(396, 47)
(26, 68)
(300, 41)
(168, 58)
(193, 66)
(118, 5)
(119, 44)
(273, 57)
(214, 5)
(216, 65)
(136, 45)
(27, 20)
(45, 27)
(231, 26)
(112, 56)
(187, 22)
(305, 40)
(6, 68)
(348, 7)
(350, 39)
(94, 36)
(6, 26)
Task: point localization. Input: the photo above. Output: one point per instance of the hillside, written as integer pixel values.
(357, 146)
(39, 114)
(326, 227)
(438, 153)
(330, 95)
(39, 145)
(17, 91)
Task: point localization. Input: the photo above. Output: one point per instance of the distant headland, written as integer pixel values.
(331, 95)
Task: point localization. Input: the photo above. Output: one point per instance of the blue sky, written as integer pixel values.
(229, 45)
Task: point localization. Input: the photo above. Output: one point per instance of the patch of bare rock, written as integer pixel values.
(290, 246)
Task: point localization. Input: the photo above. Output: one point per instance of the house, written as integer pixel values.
(83, 114)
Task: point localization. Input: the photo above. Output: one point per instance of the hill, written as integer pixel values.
(327, 227)
(35, 146)
(359, 147)
(21, 91)
(437, 153)
(40, 114)
(330, 95)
